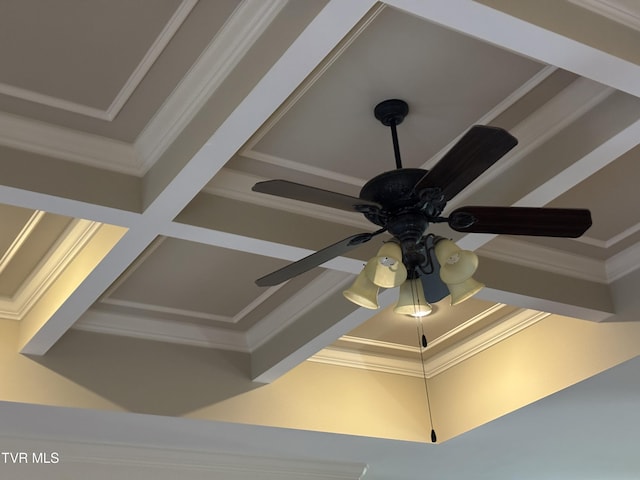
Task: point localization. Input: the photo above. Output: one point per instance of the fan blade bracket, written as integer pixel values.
(367, 209)
(460, 220)
(361, 238)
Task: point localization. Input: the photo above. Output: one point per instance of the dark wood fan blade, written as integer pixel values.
(305, 193)
(477, 150)
(315, 259)
(545, 222)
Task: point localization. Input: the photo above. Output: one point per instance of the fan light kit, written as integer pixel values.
(404, 202)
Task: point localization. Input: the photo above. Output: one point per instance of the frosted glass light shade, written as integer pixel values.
(459, 267)
(386, 268)
(444, 249)
(463, 291)
(363, 292)
(411, 300)
(456, 270)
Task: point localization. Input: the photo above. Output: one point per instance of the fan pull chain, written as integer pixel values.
(423, 344)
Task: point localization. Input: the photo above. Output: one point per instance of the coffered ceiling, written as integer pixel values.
(131, 134)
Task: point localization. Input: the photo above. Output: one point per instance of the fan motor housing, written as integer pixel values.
(393, 190)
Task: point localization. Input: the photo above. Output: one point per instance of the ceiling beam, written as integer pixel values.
(165, 201)
(312, 331)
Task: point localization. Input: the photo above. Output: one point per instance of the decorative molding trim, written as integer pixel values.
(151, 308)
(260, 299)
(158, 46)
(613, 240)
(313, 294)
(198, 315)
(438, 363)
(128, 88)
(612, 10)
(377, 362)
(303, 168)
(173, 331)
(247, 151)
(241, 31)
(170, 331)
(218, 464)
(237, 186)
(22, 236)
(369, 342)
(501, 107)
(571, 103)
(623, 263)
(522, 253)
(244, 27)
(460, 328)
(71, 242)
(107, 298)
(67, 144)
(140, 259)
(54, 102)
(482, 340)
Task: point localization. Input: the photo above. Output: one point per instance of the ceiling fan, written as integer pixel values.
(404, 201)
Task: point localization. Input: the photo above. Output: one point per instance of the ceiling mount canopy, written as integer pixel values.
(405, 201)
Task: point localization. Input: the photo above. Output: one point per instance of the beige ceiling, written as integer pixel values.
(131, 134)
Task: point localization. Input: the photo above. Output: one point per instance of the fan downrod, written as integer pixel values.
(391, 112)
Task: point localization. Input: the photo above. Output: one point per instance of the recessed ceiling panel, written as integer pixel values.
(103, 67)
(192, 279)
(449, 80)
(616, 217)
(620, 176)
(76, 51)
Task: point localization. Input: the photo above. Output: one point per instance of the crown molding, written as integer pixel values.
(612, 10)
(567, 106)
(369, 342)
(135, 325)
(623, 263)
(510, 325)
(240, 32)
(72, 241)
(22, 236)
(215, 465)
(242, 29)
(438, 363)
(522, 253)
(67, 144)
(162, 330)
(377, 362)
